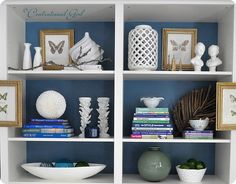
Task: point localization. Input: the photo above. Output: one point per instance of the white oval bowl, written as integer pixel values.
(63, 174)
(199, 125)
(190, 175)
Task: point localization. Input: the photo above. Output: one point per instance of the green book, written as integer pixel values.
(151, 121)
(157, 110)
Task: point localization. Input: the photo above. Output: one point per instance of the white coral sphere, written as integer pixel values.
(51, 104)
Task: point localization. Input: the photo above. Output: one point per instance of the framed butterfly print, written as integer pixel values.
(10, 103)
(226, 106)
(56, 44)
(178, 45)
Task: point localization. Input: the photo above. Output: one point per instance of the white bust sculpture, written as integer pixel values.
(197, 61)
(214, 61)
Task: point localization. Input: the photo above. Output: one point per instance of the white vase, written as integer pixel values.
(37, 57)
(27, 61)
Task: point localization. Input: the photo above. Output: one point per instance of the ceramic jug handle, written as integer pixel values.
(141, 99)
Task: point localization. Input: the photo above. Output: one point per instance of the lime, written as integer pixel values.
(184, 166)
(200, 165)
(81, 164)
(191, 160)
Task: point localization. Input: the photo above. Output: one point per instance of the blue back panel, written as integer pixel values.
(103, 34)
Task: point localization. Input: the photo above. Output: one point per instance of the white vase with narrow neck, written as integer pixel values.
(37, 57)
(27, 60)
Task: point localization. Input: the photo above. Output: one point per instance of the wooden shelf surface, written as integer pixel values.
(63, 74)
(176, 75)
(72, 139)
(173, 179)
(177, 140)
(30, 179)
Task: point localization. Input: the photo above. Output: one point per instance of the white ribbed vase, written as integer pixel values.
(143, 48)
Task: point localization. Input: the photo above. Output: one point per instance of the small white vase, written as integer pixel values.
(37, 57)
(27, 60)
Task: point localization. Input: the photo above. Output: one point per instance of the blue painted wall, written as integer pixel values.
(103, 34)
(207, 33)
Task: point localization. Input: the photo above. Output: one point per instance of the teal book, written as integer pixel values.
(153, 110)
(151, 121)
(48, 130)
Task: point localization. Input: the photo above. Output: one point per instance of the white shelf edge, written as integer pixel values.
(30, 179)
(172, 179)
(175, 75)
(176, 140)
(63, 74)
(75, 72)
(177, 72)
(72, 139)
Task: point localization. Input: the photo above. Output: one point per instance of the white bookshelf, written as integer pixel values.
(173, 179)
(178, 140)
(12, 34)
(62, 75)
(177, 75)
(72, 139)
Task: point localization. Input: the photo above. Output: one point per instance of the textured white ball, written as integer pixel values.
(51, 104)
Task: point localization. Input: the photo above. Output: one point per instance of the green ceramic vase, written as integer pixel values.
(153, 165)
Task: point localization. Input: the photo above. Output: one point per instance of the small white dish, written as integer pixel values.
(151, 102)
(200, 124)
(190, 175)
(63, 174)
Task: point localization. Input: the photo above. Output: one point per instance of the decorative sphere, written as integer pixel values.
(153, 165)
(51, 104)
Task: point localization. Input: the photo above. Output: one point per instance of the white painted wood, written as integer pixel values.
(26, 178)
(175, 12)
(134, 179)
(72, 12)
(72, 139)
(15, 39)
(232, 169)
(178, 140)
(118, 104)
(177, 75)
(62, 75)
(225, 39)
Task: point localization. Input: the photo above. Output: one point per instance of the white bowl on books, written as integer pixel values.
(63, 174)
(190, 175)
(200, 124)
(151, 102)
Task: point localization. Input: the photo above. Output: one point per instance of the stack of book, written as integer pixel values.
(152, 123)
(192, 134)
(48, 128)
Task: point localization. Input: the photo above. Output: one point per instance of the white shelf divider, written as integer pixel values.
(177, 140)
(172, 179)
(177, 75)
(72, 139)
(62, 75)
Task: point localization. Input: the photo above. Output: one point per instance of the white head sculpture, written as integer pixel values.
(197, 61)
(214, 61)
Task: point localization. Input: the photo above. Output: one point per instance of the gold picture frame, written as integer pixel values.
(178, 44)
(225, 106)
(56, 44)
(10, 103)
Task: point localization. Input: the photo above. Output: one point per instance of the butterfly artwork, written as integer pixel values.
(56, 47)
(233, 113)
(3, 108)
(232, 98)
(179, 47)
(3, 96)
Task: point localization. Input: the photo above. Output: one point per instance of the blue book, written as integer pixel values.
(47, 123)
(50, 120)
(194, 131)
(152, 133)
(46, 126)
(143, 115)
(47, 135)
(164, 125)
